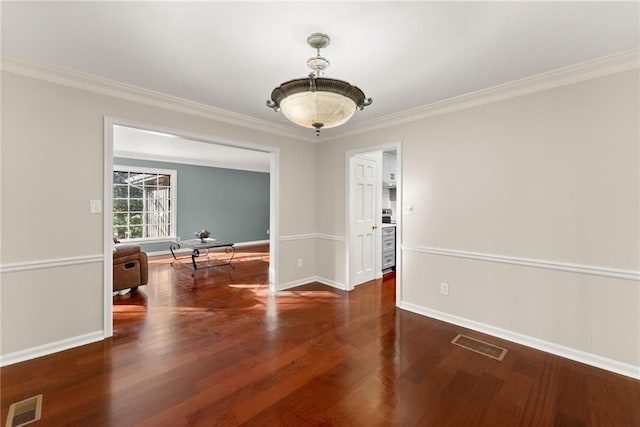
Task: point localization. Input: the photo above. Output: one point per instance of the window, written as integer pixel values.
(144, 203)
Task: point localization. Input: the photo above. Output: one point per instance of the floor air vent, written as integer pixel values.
(24, 412)
(481, 347)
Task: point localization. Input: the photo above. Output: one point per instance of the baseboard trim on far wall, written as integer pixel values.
(331, 283)
(295, 283)
(528, 262)
(311, 279)
(542, 345)
(251, 243)
(54, 347)
(187, 250)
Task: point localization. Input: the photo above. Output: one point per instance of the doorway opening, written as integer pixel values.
(373, 189)
(131, 145)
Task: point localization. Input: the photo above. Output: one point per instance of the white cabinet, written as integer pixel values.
(389, 169)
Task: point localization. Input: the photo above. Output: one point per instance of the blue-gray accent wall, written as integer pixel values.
(232, 204)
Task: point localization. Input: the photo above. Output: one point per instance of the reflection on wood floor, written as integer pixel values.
(220, 349)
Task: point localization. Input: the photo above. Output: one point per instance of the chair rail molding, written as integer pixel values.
(610, 272)
(312, 236)
(50, 263)
(331, 237)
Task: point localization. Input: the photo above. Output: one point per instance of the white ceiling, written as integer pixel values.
(150, 145)
(230, 55)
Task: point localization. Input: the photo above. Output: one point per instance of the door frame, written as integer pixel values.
(397, 146)
(274, 173)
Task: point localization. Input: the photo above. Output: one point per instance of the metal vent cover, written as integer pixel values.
(24, 412)
(486, 349)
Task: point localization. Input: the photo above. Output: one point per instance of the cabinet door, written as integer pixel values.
(389, 167)
(385, 167)
(392, 167)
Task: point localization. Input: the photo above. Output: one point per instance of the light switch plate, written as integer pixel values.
(95, 206)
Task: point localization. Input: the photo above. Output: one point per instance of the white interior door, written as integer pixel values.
(363, 227)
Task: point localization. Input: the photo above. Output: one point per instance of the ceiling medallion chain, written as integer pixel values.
(317, 101)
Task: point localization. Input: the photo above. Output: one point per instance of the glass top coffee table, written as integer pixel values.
(200, 248)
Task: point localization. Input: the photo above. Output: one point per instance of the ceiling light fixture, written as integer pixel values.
(316, 101)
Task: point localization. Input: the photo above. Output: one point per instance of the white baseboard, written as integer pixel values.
(253, 243)
(54, 347)
(294, 283)
(165, 253)
(331, 283)
(310, 279)
(546, 346)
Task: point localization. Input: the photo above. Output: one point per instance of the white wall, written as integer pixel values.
(52, 165)
(551, 176)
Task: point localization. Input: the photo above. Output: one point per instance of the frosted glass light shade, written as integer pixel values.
(317, 102)
(309, 108)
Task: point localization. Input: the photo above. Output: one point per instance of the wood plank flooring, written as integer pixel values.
(220, 350)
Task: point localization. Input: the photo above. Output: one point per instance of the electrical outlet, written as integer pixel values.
(300, 262)
(444, 288)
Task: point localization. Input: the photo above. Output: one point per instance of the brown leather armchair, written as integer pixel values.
(130, 268)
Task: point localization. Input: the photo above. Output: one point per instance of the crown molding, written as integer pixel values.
(599, 67)
(588, 70)
(66, 77)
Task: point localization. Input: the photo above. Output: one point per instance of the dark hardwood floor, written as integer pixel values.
(221, 350)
